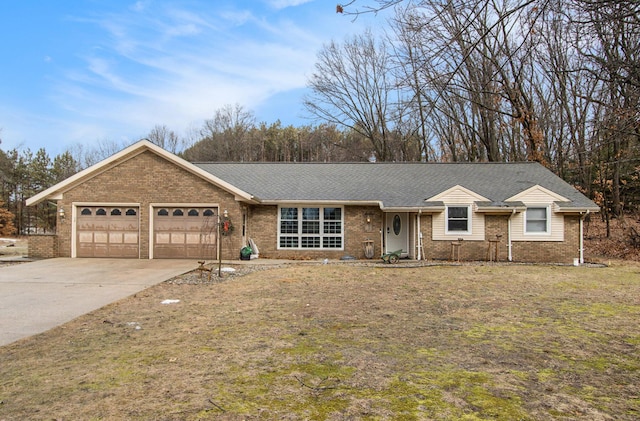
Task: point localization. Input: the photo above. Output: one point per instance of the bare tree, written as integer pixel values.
(167, 139)
(352, 87)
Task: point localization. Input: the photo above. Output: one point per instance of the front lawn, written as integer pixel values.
(343, 341)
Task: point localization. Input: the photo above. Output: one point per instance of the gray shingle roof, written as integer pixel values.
(396, 185)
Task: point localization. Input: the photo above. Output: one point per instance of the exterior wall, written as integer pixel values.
(551, 251)
(522, 251)
(263, 227)
(471, 248)
(146, 179)
(458, 196)
(43, 246)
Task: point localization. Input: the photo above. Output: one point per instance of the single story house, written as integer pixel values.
(147, 203)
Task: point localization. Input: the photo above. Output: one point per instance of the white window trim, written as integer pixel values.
(469, 230)
(321, 234)
(547, 231)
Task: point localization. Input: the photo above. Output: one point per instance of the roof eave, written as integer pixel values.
(577, 209)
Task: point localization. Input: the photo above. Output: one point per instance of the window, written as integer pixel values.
(536, 221)
(163, 212)
(116, 212)
(310, 228)
(458, 219)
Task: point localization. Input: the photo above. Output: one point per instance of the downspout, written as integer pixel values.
(509, 245)
(419, 236)
(581, 250)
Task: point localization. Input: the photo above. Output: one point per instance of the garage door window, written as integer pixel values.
(131, 212)
(85, 211)
(101, 212)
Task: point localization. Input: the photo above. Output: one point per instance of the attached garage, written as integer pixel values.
(108, 231)
(185, 232)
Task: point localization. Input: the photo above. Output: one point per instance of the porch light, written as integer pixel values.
(61, 213)
(367, 217)
(226, 213)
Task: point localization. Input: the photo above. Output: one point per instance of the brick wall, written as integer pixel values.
(148, 178)
(43, 246)
(263, 227)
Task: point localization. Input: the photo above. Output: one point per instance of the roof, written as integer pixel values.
(392, 185)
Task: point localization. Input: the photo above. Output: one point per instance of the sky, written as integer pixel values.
(79, 72)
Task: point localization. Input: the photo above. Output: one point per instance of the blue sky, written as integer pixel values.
(77, 72)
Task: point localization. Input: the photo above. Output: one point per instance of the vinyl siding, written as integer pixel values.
(458, 197)
(538, 197)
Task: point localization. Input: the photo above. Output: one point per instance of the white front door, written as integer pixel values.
(397, 232)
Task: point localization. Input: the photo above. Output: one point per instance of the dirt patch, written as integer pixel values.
(345, 341)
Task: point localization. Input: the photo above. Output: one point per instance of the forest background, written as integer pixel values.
(553, 81)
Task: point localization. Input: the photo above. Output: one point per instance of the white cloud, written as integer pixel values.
(153, 65)
(283, 4)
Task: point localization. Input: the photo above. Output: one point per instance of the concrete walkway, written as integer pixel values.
(37, 296)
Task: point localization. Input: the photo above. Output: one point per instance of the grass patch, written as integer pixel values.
(333, 342)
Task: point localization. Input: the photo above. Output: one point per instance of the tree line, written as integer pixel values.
(553, 81)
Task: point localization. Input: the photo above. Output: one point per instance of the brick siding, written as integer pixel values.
(148, 178)
(42, 246)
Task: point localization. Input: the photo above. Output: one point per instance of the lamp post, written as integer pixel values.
(220, 222)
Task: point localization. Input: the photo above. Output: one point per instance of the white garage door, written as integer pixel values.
(108, 231)
(184, 233)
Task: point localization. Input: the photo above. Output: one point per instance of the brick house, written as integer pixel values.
(147, 203)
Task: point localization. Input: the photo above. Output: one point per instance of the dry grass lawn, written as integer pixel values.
(339, 342)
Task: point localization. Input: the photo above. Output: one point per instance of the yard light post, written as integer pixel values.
(220, 222)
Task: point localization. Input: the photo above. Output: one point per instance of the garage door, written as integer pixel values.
(107, 231)
(184, 233)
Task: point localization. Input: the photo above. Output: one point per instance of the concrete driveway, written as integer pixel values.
(37, 296)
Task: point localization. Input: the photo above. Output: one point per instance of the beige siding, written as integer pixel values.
(538, 197)
(458, 196)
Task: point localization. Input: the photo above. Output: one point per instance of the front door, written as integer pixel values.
(397, 232)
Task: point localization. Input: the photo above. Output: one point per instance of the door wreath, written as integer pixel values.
(226, 227)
